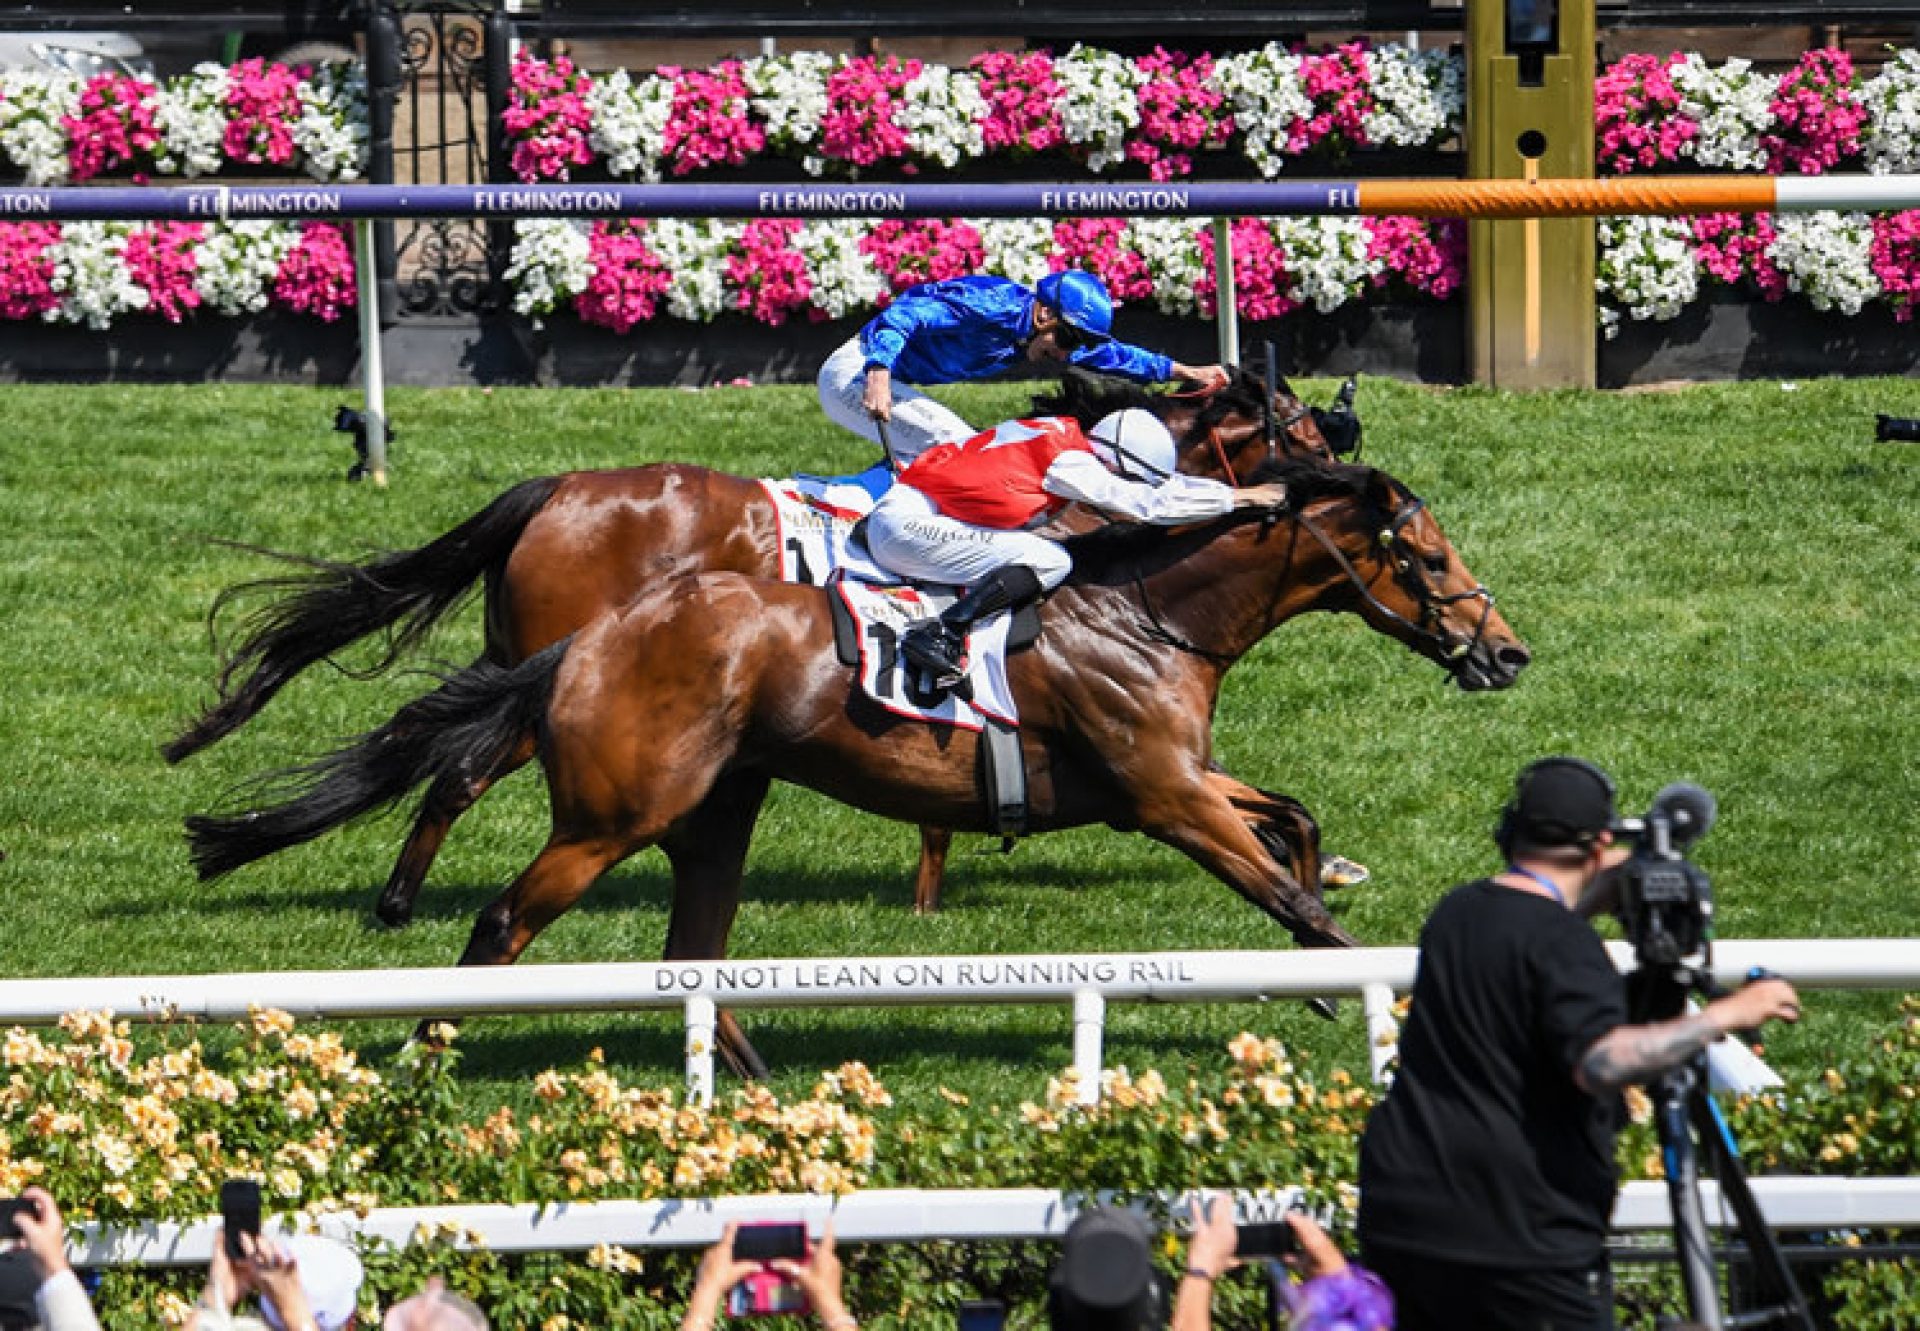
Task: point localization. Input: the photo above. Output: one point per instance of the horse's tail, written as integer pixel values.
(471, 724)
(319, 612)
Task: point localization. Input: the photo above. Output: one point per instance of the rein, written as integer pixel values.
(1275, 430)
(1432, 601)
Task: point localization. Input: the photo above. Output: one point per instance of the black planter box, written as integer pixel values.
(1727, 337)
(265, 348)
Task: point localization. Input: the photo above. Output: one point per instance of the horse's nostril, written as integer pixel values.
(1513, 656)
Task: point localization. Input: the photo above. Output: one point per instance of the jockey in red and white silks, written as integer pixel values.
(963, 514)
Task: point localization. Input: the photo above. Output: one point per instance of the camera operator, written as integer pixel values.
(1487, 1173)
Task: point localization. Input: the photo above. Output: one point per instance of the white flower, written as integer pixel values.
(191, 114)
(1892, 100)
(31, 105)
(1099, 102)
(238, 262)
(941, 112)
(1015, 247)
(629, 123)
(1420, 97)
(1826, 258)
(790, 95)
(332, 133)
(551, 263)
(1646, 266)
(1732, 106)
(844, 280)
(90, 273)
(1171, 248)
(1327, 263)
(1268, 97)
(695, 254)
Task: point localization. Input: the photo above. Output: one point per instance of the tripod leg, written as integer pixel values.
(1673, 1094)
(1769, 1263)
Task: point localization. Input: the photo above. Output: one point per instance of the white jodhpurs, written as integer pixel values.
(918, 421)
(909, 536)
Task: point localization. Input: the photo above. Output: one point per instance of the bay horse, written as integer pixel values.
(664, 722)
(557, 552)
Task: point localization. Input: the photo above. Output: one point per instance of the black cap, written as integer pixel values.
(1105, 1280)
(19, 1282)
(1559, 802)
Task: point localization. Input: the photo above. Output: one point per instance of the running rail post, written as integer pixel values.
(1225, 298)
(1089, 1031)
(373, 375)
(701, 1019)
(1383, 1032)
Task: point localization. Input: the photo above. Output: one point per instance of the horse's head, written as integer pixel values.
(1398, 571)
(1227, 435)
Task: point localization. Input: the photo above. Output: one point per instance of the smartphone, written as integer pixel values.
(1270, 1240)
(765, 1241)
(11, 1207)
(982, 1315)
(239, 1213)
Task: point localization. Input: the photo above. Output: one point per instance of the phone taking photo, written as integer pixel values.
(11, 1207)
(766, 1292)
(1266, 1240)
(982, 1315)
(239, 1213)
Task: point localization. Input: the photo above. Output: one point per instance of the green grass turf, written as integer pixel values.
(1718, 585)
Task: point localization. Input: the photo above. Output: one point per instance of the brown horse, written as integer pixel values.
(558, 552)
(664, 722)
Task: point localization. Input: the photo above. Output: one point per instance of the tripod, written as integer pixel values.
(1690, 1126)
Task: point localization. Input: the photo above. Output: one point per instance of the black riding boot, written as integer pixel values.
(938, 647)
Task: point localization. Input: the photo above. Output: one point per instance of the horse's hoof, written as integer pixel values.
(1325, 1007)
(393, 914)
(1339, 871)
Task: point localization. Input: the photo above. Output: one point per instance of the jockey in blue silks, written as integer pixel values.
(973, 328)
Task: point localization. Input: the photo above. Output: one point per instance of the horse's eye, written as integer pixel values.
(1436, 564)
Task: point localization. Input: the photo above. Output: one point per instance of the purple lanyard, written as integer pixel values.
(1543, 880)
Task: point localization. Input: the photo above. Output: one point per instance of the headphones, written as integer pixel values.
(1506, 831)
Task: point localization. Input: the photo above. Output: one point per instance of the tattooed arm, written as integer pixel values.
(1628, 1054)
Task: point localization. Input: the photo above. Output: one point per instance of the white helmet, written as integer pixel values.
(1135, 444)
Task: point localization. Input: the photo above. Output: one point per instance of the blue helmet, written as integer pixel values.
(1081, 301)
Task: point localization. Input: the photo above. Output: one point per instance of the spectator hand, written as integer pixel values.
(719, 1272)
(276, 1275)
(820, 1277)
(1754, 1004)
(1215, 1238)
(1317, 1256)
(43, 1233)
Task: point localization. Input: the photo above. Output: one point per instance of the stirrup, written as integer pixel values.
(937, 652)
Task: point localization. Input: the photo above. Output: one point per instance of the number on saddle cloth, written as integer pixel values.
(818, 517)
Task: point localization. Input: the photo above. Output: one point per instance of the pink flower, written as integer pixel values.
(547, 118)
(1180, 113)
(1733, 248)
(1259, 272)
(317, 276)
(26, 269)
(927, 250)
(163, 259)
(1099, 244)
(1817, 114)
(1637, 114)
(709, 124)
(1426, 257)
(1339, 84)
(1895, 257)
(862, 96)
(628, 278)
(769, 275)
(115, 127)
(263, 104)
(1023, 101)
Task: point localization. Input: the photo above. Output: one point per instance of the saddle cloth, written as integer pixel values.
(816, 515)
(879, 615)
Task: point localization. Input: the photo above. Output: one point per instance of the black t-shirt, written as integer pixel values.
(1485, 1151)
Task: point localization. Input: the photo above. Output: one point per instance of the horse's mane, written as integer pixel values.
(1098, 552)
(1087, 396)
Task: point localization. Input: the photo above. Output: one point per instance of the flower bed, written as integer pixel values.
(125, 1125)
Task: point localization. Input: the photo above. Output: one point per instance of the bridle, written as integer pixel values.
(1413, 574)
(1274, 429)
(1453, 653)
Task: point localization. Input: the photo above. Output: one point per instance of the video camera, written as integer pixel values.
(1664, 900)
